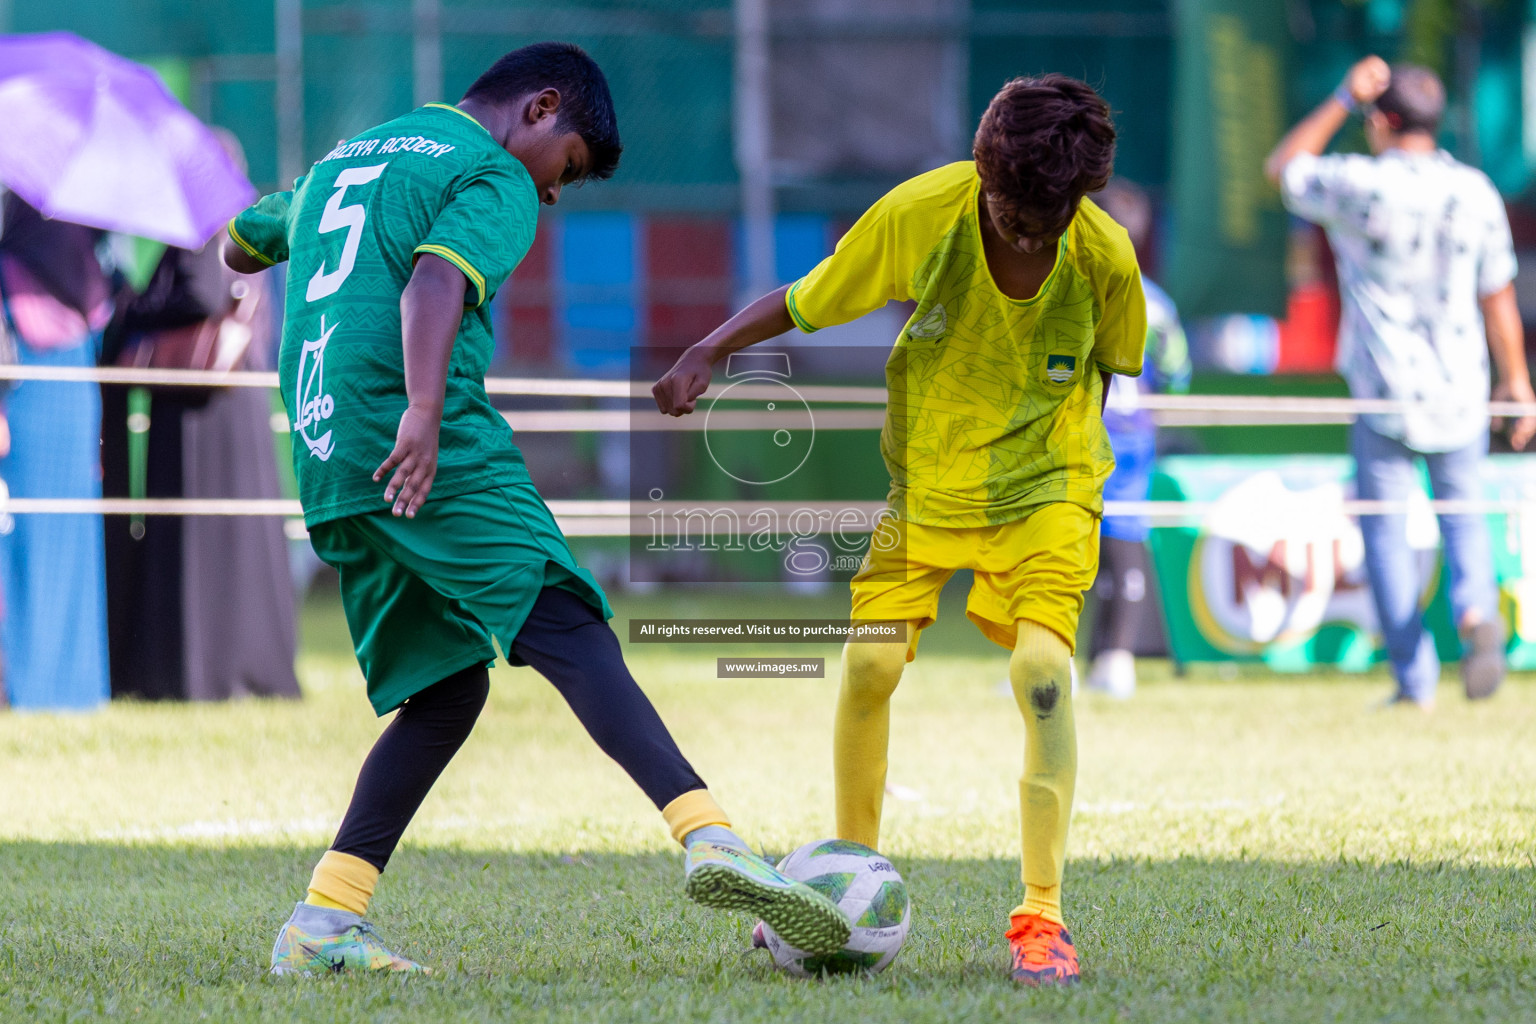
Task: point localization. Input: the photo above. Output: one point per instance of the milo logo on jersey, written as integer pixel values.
(930, 326)
(314, 405)
(1060, 368)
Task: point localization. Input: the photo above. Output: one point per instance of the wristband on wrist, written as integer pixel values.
(1346, 98)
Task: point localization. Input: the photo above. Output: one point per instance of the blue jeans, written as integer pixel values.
(1387, 470)
(52, 567)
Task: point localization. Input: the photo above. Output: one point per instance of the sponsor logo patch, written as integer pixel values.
(316, 406)
(932, 325)
(1060, 368)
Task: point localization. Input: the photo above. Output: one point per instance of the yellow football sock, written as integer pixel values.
(693, 810)
(342, 882)
(861, 735)
(1041, 673)
(1044, 900)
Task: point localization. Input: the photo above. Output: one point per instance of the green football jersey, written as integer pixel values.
(432, 181)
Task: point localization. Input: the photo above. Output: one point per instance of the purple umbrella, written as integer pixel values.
(96, 139)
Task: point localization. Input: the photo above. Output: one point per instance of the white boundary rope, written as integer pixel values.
(622, 421)
(1181, 410)
(621, 518)
(625, 519)
(557, 387)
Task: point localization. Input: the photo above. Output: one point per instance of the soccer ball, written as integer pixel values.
(866, 887)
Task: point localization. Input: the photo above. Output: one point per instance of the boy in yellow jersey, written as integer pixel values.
(1028, 298)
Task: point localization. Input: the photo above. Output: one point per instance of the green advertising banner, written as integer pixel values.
(1229, 237)
(1273, 570)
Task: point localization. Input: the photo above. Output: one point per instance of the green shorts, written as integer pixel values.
(424, 597)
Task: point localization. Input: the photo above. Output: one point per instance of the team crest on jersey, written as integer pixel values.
(1060, 368)
(932, 325)
(315, 405)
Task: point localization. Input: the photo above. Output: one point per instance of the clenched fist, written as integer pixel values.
(1368, 79)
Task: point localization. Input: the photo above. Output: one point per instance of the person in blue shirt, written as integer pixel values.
(1122, 585)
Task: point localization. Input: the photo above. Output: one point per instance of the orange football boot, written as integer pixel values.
(1041, 951)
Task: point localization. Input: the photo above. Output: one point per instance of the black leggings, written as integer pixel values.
(1122, 587)
(571, 646)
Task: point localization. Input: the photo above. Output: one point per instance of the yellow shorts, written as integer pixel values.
(1035, 568)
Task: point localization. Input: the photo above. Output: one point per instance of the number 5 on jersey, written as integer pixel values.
(334, 218)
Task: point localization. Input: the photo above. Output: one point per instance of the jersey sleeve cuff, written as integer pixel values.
(476, 279)
(250, 250)
(794, 310)
(1122, 372)
(1488, 293)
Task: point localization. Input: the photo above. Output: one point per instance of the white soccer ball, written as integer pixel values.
(867, 888)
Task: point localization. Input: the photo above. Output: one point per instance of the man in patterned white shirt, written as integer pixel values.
(1426, 270)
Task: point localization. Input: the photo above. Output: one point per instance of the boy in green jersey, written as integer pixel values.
(414, 490)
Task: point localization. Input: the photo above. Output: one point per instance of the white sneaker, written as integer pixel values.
(1113, 674)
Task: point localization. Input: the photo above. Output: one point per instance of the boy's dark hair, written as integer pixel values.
(1042, 145)
(586, 107)
(1414, 100)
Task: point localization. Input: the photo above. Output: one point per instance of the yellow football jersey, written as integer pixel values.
(994, 403)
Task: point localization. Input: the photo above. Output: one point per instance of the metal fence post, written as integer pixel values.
(289, 93)
(754, 144)
(426, 51)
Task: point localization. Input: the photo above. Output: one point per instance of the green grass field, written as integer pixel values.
(1259, 849)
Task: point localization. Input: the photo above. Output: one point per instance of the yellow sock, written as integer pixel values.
(694, 809)
(1041, 673)
(861, 736)
(342, 882)
(1044, 900)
